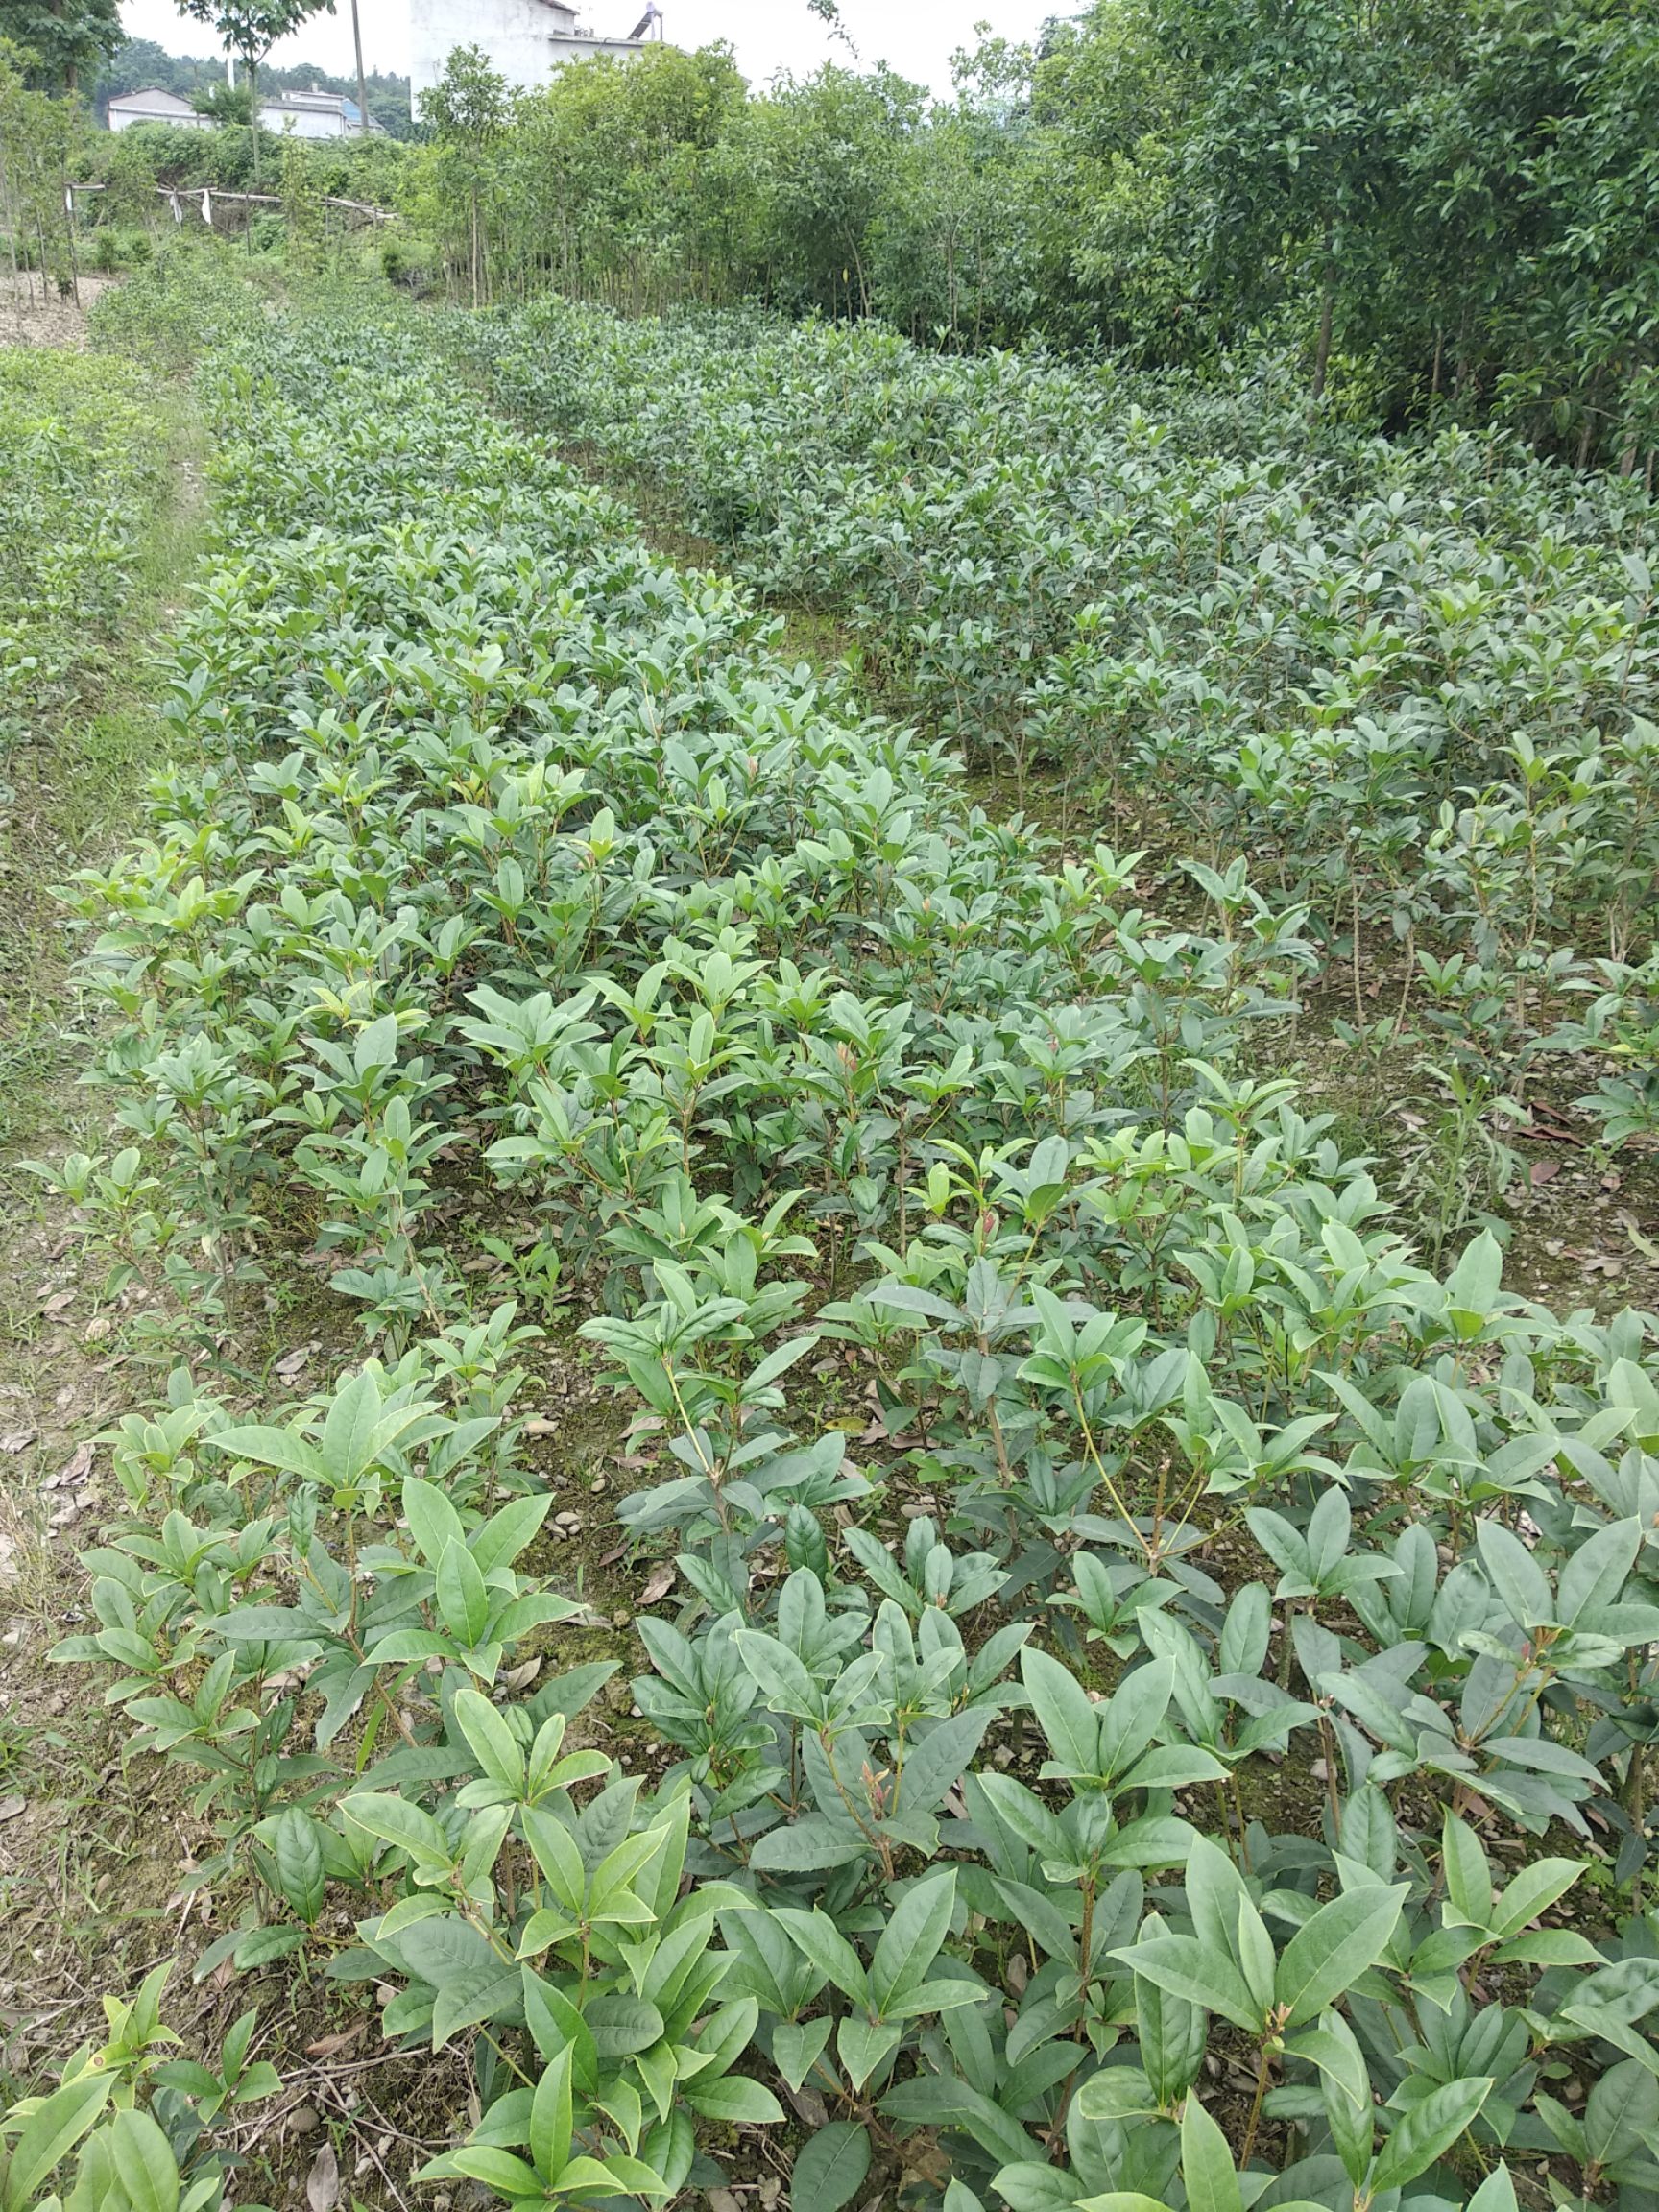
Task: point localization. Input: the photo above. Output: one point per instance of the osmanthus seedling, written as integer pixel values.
(515, 886)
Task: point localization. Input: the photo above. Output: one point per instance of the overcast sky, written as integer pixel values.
(915, 36)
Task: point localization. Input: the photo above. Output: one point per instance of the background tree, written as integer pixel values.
(959, 249)
(225, 103)
(65, 40)
(829, 148)
(248, 28)
(1113, 106)
(624, 179)
(41, 138)
(468, 109)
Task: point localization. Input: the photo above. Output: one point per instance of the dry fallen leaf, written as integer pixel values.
(811, 2106)
(322, 2182)
(326, 2045)
(657, 1584)
(73, 1470)
(17, 1440)
(10, 1807)
(58, 1303)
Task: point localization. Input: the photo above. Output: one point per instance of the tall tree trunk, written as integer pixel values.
(362, 81)
(253, 115)
(8, 215)
(69, 82)
(69, 234)
(1326, 312)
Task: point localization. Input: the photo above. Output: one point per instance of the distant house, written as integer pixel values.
(526, 40)
(316, 115)
(153, 106)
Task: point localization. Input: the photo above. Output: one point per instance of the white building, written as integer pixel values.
(153, 106)
(313, 114)
(524, 39)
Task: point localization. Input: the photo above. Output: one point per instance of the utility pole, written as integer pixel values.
(362, 81)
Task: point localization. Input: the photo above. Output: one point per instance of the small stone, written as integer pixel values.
(303, 2120)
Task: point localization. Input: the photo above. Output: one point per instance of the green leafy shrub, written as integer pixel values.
(1196, 1645)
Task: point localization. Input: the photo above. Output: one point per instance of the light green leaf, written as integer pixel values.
(433, 1522)
(1468, 1874)
(493, 1741)
(912, 1939)
(1061, 1704)
(1203, 1976)
(796, 2046)
(864, 2046)
(1207, 2168)
(1330, 1952)
(552, 2116)
(462, 1600)
(51, 2132)
(1427, 2132)
(143, 2159)
(735, 2100)
(1533, 1890)
(1521, 1586)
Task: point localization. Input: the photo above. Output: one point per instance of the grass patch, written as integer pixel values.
(76, 768)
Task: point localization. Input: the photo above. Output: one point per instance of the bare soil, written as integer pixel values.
(32, 313)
